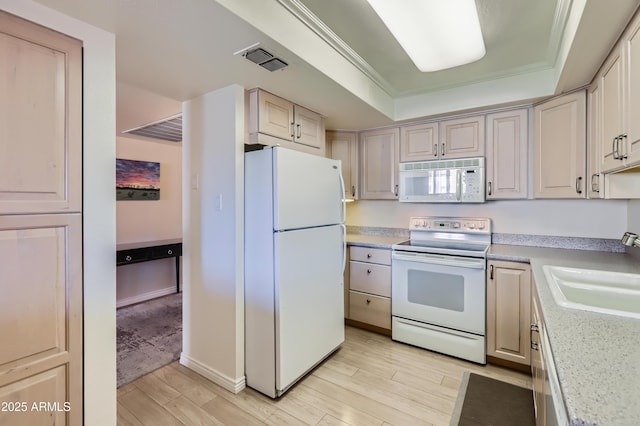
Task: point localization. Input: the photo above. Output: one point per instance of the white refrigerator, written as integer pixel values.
(295, 253)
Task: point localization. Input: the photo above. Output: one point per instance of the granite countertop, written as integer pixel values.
(597, 356)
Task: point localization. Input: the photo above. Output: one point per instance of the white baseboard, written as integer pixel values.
(145, 296)
(228, 383)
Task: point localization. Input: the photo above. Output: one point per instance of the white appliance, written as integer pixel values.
(443, 181)
(438, 286)
(295, 253)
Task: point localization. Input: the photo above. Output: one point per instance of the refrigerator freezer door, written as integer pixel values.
(309, 300)
(307, 190)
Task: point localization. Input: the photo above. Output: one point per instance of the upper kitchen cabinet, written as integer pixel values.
(595, 187)
(276, 121)
(506, 171)
(462, 137)
(379, 150)
(619, 82)
(454, 138)
(344, 146)
(560, 147)
(419, 142)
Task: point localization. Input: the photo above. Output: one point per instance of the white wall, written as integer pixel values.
(570, 218)
(139, 221)
(213, 240)
(99, 219)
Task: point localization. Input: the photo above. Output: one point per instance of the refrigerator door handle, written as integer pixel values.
(344, 249)
(344, 196)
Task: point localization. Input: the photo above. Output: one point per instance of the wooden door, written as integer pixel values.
(309, 129)
(612, 108)
(560, 147)
(509, 311)
(379, 167)
(275, 116)
(419, 142)
(595, 187)
(40, 224)
(462, 137)
(632, 125)
(344, 147)
(507, 159)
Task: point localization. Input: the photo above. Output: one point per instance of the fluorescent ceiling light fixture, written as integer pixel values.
(436, 34)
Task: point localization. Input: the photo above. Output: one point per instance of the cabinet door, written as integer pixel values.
(379, 167)
(344, 147)
(41, 272)
(612, 108)
(509, 311)
(309, 128)
(40, 119)
(560, 147)
(595, 187)
(538, 371)
(632, 41)
(462, 137)
(275, 116)
(419, 142)
(507, 155)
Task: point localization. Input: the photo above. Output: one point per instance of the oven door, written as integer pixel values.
(448, 291)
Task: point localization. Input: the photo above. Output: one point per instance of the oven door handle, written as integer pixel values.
(462, 262)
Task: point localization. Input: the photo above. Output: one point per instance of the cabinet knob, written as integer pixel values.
(169, 251)
(128, 258)
(368, 301)
(368, 255)
(368, 271)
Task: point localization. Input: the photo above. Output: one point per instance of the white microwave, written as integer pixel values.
(443, 181)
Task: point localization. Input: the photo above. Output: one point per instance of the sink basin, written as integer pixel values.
(614, 293)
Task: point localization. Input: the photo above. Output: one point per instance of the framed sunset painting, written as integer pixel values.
(137, 180)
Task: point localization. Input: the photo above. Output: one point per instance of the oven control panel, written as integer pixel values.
(451, 224)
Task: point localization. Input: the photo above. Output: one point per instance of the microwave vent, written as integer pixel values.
(443, 164)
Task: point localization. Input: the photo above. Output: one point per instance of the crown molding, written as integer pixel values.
(307, 17)
(563, 8)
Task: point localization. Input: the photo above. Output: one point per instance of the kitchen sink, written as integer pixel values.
(614, 293)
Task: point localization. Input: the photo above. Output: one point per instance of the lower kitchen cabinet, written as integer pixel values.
(370, 288)
(509, 311)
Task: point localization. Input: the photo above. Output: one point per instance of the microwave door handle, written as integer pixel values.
(458, 184)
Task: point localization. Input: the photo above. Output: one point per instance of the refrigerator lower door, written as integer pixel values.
(309, 300)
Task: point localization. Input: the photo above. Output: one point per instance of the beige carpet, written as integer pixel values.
(483, 401)
(149, 336)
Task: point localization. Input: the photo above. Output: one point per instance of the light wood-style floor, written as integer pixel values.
(371, 380)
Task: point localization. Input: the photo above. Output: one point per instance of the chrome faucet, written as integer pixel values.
(630, 239)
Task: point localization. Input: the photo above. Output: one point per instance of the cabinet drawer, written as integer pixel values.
(373, 255)
(370, 278)
(169, 250)
(370, 309)
(132, 256)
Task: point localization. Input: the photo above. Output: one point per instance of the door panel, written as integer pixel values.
(44, 287)
(308, 190)
(40, 223)
(309, 299)
(40, 119)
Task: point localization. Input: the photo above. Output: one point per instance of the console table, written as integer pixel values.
(151, 250)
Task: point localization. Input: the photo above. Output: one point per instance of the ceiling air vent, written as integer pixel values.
(265, 59)
(167, 129)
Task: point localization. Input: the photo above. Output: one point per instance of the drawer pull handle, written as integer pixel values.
(368, 301)
(169, 251)
(368, 271)
(368, 255)
(128, 258)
